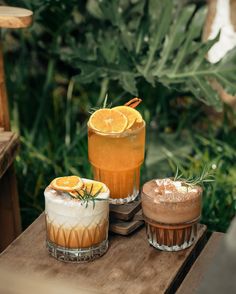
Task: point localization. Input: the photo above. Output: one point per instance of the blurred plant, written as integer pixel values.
(130, 40)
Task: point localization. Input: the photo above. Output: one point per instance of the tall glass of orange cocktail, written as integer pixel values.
(116, 143)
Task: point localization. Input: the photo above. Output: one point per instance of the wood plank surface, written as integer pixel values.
(125, 227)
(10, 222)
(198, 270)
(125, 211)
(131, 265)
(9, 145)
(37, 285)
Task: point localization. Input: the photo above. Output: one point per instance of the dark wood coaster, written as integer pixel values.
(125, 211)
(138, 216)
(9, 145)
(125, 227)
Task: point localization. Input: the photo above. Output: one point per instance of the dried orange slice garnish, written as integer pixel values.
(95, 187)
(132, 115)
(67, 184)
(108, 121)
(92, 188)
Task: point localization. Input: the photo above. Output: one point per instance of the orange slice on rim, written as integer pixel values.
(132, 114)
(108, 121)
(90, 187)
(67, 184)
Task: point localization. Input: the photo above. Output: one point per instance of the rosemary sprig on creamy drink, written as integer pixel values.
(86, 194)
(206, 176)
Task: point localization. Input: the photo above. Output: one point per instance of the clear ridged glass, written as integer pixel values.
(116, 160)
(171, 237)
(77, 255)
(78, 243)
(171, 211)
(76, 231)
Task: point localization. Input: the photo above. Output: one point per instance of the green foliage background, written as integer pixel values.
(77, 51)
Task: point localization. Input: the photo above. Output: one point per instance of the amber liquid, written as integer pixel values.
(116, 160)
(76, 237)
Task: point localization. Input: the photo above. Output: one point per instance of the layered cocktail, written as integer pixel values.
(116, 143)
(77, 221)
(171, 210)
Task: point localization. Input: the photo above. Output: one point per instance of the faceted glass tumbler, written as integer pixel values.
(171, 211)
(171, 237)
(76, 231)
(116, 160)
(76, 244)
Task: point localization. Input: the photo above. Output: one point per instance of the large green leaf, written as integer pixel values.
(153, 40)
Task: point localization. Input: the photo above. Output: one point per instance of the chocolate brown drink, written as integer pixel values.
(171, 211)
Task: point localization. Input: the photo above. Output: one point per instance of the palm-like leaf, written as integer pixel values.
(151, 40)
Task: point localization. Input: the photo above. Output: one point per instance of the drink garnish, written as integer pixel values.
(108, 121)
(133, 103)
(132, 115)
(206, 176)
(117, 119)
(67, 184)
(75, 188)
(89, 192)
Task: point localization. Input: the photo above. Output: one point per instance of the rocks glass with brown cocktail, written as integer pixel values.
(171, 210)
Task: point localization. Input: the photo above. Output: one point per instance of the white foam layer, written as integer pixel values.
(63, 210)
(171, 186)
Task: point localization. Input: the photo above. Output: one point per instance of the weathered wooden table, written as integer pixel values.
(10, 225)
(129, 266)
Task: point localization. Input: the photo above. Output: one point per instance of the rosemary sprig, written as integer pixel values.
(105, 101)
(85, 195)
(206, 176)
(105, 105)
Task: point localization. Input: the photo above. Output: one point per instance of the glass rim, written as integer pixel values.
(127, 132)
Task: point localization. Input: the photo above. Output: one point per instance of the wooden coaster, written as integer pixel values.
(138, 216)
(125, 228)
(125, 211)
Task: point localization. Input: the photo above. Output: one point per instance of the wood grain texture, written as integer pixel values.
(9, 145)
(10, 223)
(15, 17)
(138, 216)
(129, 266)
(23, 285)
(4, 110)
(125, 227)
(195, 275)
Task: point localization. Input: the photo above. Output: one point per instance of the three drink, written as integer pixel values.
(77, 210)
